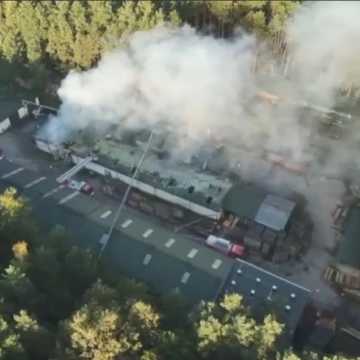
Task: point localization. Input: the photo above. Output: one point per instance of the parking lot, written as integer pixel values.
(321, 195)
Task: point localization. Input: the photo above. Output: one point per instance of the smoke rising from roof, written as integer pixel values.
(186, 81)
(203, 90)
(325, 47)
(200, 88)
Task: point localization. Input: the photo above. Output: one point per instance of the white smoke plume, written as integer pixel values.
(202, 89)
(196, 85)
(325, 40)
(190, 82)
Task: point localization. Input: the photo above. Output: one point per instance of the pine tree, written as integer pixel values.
(29, 21)
(60, 35)
(11, 44)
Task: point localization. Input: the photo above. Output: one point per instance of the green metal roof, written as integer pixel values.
(208, 189)
(243, 200)
(349, 249)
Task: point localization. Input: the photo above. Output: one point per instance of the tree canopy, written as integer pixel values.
(75, 34)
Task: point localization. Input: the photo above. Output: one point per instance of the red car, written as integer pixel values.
(225, 246)
(81, 186)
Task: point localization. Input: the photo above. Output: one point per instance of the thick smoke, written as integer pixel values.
(325, 47)
(202, 89)
(190, 83)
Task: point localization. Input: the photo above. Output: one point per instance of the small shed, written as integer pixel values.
(253, 203)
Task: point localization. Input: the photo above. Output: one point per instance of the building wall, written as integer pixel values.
(102, 170)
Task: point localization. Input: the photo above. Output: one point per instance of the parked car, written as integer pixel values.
(81, 186)
(225, 246)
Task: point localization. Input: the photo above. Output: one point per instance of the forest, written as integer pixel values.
(68, 34)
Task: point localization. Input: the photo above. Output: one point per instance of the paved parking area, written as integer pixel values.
(140, 246)
(36, 173)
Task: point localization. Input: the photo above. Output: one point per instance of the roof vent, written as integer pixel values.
(293, 296)
(287, 307)
(252, 292)
(274, 288)
(239, 272)
(258, 280)
(233, 282)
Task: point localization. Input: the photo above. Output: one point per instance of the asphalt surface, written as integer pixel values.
(86, 219)
(44, 195)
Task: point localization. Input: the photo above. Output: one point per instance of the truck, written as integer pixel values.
(225, 246)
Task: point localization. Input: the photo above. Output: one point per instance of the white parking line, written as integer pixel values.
(216, 264)
(147, 233)
(53, 191)
(126, 223)
(170, 243)
(69, 197)
(106, 214)
(34, 182)
(192, 253)
(11, 173)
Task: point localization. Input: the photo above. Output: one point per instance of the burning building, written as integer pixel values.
(204, 184)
